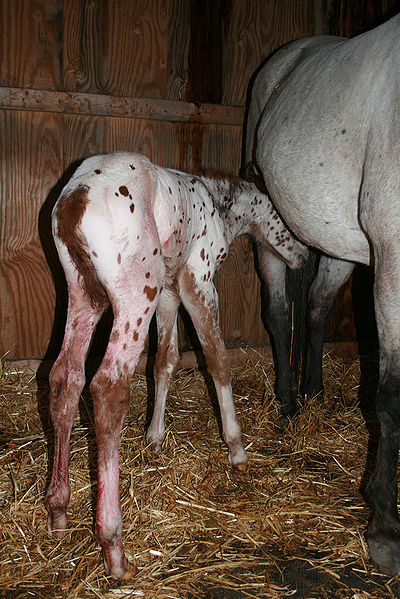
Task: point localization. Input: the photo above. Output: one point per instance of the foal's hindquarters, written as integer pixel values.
(108, 257)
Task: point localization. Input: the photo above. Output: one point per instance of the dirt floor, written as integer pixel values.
(292, 526)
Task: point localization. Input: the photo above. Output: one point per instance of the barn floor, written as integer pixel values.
(292, 526)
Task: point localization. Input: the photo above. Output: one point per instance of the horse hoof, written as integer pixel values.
(285, 418)
(385, 553)
(313, 393)
(283, 421)
(57, 526)
(237, 456)
(155, 443)
(130, 573)
(241, 467)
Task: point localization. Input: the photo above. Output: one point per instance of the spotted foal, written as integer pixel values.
(143, 238)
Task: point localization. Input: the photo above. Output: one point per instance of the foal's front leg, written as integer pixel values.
(165, 364)
(201, 302)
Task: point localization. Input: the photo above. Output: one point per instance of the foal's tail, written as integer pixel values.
(67, 217)
(297, 285)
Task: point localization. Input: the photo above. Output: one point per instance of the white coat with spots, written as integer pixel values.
(143, 239)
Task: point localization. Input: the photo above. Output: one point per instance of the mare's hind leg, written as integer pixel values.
(383, 533)
(165, 364)
(276, 313)
(67, 378)
(331, 276)
(134, 297)
(201, 302)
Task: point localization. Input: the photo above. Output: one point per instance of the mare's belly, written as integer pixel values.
(338, 237)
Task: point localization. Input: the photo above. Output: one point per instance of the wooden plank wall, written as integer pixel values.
(167, 78)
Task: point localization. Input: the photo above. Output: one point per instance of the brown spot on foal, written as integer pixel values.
(123, 190)
(150, 292)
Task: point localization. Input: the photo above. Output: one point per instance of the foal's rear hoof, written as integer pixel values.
(155, 443)
(130, 573)
(241, 467)
(237, 457)
(57, 526)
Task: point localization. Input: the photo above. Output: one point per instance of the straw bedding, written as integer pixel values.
(292, 526)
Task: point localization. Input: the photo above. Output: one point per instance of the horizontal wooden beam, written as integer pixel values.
(42, 100)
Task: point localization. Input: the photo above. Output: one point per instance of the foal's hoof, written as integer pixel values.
(241, 467)
(155, 442)
(130, 573)
(155, 445)
(237, 457)
(57, 526)
(385, 553)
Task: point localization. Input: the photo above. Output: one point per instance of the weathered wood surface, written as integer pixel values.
(167, 78)
(41, 100)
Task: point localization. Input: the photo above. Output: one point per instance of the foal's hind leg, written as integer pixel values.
(134, 300)
(166, 362)
(276, 312)
(383, 533)
(200, 300)
(67, 378)
(331, 276)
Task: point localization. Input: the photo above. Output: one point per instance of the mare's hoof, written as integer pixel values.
(385, 553)
(313, 393)
(283, 421)
(130, 573)
(287, 415)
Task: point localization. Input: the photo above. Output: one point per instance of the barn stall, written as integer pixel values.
(169, 79)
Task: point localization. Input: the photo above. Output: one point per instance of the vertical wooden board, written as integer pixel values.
(205, 51)
(85, 136)
(30, 165)
(117, 48)
(30, 46)
(178, 43)
(82, 137)
(157, 140)
(222, 148)
(351, 18)
(254, 30)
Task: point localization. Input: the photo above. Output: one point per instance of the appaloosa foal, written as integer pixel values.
(142, 238)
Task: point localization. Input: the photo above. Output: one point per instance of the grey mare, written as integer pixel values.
(323, 134)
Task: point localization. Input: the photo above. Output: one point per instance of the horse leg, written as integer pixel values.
(277, 316)
(201, 302)
(67, 378)
(383, 534)
(331, 276)
(110, 392)
(165, 364)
